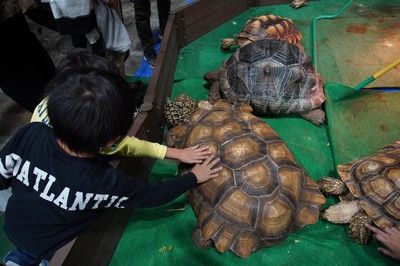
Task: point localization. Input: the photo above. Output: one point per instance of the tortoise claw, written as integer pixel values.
(198, 239)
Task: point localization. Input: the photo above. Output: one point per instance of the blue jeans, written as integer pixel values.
(22, 258)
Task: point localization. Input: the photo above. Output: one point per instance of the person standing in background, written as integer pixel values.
(142, 19)
(25, 65)
(97, 22)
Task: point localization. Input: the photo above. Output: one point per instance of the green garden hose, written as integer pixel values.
(314, 31)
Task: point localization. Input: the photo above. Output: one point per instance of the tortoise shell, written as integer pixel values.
(179, 110)
(261, 195)
(263, 27)
(375, 181)
(274, 77)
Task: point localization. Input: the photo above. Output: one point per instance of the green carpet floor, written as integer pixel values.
(350, 48)
(357, 126)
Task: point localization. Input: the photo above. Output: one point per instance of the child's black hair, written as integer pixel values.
(85, 59)
(89, 108)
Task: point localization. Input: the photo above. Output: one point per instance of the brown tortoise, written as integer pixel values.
(369, 190)
(261, 195)
(263, 27)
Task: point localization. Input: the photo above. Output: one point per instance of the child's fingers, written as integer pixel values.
(373, 229)
(204, 148)
(381, 238)
(200, 148)
(214, 161)
(204, 153)
(392, 231)
(208, 160)
(215, 172)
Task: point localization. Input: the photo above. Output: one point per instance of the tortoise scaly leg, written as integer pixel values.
(315, 116)
(227, 43)
(357, 231)
(213, 77)
(333, 186)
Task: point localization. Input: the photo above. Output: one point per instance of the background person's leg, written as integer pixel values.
(25, 66)
(163, 6)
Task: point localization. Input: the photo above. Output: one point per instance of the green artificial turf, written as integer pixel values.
(350, 48)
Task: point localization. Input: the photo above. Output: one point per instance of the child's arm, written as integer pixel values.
(131, 146)
(134, 147)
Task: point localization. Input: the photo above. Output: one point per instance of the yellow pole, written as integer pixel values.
(377, 75)
(386, 69)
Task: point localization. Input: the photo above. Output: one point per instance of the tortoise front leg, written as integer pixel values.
(227, 43)
(357, 231)
(213, 77)
(214, 94)
(315, 116)
(332, 186)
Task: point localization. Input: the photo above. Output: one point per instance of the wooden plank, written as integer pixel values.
(203, 16)
(96, 245)
(256, 3)
(160, 88)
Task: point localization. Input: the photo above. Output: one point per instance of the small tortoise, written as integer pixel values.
(263, 27)
(274, 77)
(261, 195)
(369, 190)
(179, 110)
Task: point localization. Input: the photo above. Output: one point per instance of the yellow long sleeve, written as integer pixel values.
(134, 147)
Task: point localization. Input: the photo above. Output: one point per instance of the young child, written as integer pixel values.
(129, 145)
(59, 185)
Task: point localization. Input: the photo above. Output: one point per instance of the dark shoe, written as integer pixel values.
(151, 59)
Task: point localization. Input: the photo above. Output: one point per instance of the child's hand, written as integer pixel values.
(195, 154)
(205, 170)
(390, 237)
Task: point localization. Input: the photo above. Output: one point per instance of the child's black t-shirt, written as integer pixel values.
(56, 196)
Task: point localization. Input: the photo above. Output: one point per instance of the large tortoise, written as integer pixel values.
(261, 195)
(263, 27)
(273, 77)
(369, 190)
